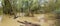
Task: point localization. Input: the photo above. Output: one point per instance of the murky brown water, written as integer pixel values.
(9, 21)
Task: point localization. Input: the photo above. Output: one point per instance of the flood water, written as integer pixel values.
(8, 20)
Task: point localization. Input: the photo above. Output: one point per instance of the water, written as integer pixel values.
(1, 18)
(39, 19)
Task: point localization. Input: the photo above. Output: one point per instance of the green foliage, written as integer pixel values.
(1, 11)
(30, 5)
(7, 8)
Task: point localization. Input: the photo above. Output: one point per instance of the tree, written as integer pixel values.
(7, 8)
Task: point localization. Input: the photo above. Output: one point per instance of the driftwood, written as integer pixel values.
(28, 23)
